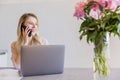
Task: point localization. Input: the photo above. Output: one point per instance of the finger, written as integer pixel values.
(28, 32)
(24, 32)
(27, 29)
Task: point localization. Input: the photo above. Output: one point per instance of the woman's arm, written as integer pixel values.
(14, 54)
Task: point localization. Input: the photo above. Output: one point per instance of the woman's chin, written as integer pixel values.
(33, 34)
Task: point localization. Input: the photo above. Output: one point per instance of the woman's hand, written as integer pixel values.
(25, 33)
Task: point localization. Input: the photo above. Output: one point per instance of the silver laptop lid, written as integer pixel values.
(42, 60)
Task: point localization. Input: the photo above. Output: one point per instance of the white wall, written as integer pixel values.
(57, 24)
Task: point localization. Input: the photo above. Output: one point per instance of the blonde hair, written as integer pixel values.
(36, 38)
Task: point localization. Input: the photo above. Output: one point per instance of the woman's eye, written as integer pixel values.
(30, 23)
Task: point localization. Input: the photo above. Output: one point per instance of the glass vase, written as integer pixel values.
(101, 58)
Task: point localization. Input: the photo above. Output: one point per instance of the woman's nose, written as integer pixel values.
(33, 26)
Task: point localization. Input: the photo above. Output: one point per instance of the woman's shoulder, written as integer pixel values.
(44, 41)
(13, 44)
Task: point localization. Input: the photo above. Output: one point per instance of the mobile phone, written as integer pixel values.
(24, 27)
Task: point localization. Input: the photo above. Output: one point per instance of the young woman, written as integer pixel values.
(28, 34)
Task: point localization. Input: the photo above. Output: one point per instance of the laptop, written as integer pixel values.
(42, 60)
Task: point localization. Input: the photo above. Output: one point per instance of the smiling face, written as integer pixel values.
(32, 23)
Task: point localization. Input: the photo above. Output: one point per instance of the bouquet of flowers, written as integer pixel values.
(98, 18)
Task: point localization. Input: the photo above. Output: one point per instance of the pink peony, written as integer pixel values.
(94, 14)
(79, 10)
(95, 7)
(104, 3)
(112, 5)
(118, 2)
(109, 4)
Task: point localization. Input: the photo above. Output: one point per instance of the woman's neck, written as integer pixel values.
(30, 41)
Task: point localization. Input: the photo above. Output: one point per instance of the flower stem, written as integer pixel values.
(100, 60)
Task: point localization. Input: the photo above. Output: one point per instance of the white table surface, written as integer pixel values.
(68, 74)
(9, 74)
